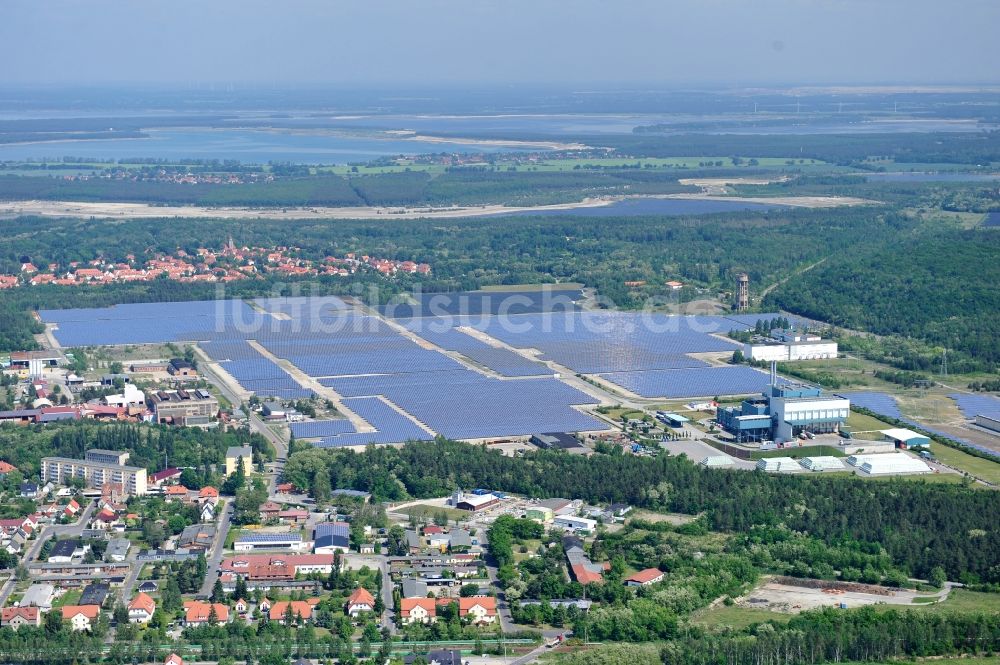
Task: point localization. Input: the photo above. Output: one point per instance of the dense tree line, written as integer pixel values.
(935, 287)
(921, 525)
(147, 444)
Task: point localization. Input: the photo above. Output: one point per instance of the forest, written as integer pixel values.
(920, 525)
(935, 286)
(604, 253)
(458, 186)
(25, 446)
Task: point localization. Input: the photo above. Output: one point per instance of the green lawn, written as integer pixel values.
(960, 600)
(736, 617)
(424, 512)
(859, 422)
(977, 466)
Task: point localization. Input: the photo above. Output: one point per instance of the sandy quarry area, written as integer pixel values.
(147, 211)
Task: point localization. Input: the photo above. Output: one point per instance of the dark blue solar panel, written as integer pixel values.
(975, 405)
(467, 405)
(708, 382)
(476, 303)
(880, 403)
(320, 428)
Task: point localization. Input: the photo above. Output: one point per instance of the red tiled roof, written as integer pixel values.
(143, 601)
(361, 596)
(645, 576)
(300, 608)
(406, 605)
(488, 603)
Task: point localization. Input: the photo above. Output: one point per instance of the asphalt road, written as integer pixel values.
(215, 554)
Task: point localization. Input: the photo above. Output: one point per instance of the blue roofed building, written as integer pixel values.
(330, 537)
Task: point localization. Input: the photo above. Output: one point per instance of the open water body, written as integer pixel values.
(668, 207)
(250, 146)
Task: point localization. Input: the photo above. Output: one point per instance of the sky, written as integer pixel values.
(420, 43)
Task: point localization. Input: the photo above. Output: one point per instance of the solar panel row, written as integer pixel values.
(502, 361)
(467, 405)
(975, 405)
(736, 380)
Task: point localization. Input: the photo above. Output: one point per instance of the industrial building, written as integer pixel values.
(573, 523)
(788, 345)
(906, 439)
(253, 542)
(473, 502)
(890, 464)
(184, 407)
(99, 467)
(784, 412)
(717, 461)
(778, 464)
(823, 463)
(674, 420)
(987, 422)
(330, 537)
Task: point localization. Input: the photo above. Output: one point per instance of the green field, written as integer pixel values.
(736, 617)
(425, 512)
(975, 466)
(961, 600)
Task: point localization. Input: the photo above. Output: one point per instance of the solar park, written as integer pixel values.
(461, 375)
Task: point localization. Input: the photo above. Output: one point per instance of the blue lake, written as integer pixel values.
(670, 207)
(245, 145)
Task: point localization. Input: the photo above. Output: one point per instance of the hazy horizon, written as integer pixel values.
(587, 45)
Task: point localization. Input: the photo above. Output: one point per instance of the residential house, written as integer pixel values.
(173, 659)
(141, 609)
(175, 493)
(197, 537)
(66, 551)
(294, 516)
(301, 610)
(15, 617)
(117, 550)
(208, 493)
(417, 610)
(241, 606)
(81, 617)
(38, 595)
(360, 601)
(197, 613)
(269, 511)
(478, 609)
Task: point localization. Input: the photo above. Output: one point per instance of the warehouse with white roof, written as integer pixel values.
(888, 464)
(782, 464)
(823, 463)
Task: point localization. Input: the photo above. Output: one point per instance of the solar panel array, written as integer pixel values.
(298, 306)
(363, 356)
(502, 361)
(880, 403)
(467, 405)
(883, 404)
(977, 405)
(711, 381)
(253, 371)
(597, 342)
(319, 428)
(392, 426)
(147, 323)
(476, 303)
